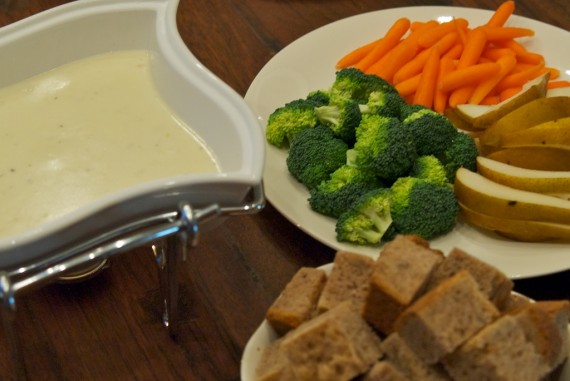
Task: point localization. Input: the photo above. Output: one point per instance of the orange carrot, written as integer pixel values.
(557, 84)
(454, 52)
(426, 88)
(495, 54)
(356, 55)
(460, 95)
(502, 14)
(554, 73)
(461, 31)
(509, 92)
(468, 76)
(394, 60)
(476, 41)
(440, 98)
(531, 58)
(409, 86)
(430, 37)
(490, 100)
(519, 78)
(484, 88)
(387, 43)
(506, 33)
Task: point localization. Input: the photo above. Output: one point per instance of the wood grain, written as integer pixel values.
(109, 328)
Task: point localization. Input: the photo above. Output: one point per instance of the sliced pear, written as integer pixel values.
(542, 158)
(488, 197)
(482, 116)
(519, 230)
(558, 92)
(529, 115)
(460, 123)
(532, 180)
(552, 133)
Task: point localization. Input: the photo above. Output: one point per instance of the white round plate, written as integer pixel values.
(264, 335)
(308, 64)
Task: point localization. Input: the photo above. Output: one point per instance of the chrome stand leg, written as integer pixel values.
(8, 316)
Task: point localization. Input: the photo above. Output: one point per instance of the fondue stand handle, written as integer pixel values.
(169, 234)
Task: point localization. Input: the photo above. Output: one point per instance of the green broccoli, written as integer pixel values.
(422, 208)
(314, 154)
(341, 118)
(334, 196)
(354, 84)
(287, 121)
(382, 146)
(367, 220)
(431, 131)
(386, 103)
(318, 98)
(429, 168)
(462, 152)
(407, 109)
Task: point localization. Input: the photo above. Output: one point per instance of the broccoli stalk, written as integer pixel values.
(368, 219)
(341, 118)
(314, 154)
(422, 208)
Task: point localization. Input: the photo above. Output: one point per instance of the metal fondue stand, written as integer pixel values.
(170, 235)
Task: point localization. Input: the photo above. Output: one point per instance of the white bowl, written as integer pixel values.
(218, 115)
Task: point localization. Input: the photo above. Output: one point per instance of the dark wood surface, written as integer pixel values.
(109, 328)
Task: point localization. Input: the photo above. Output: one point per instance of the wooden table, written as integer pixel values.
(109, 328)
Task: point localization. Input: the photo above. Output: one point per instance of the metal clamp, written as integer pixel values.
(169, 234)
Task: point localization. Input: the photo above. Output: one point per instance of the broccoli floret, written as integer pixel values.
(429, 168)
(314, 154)
(432, 132)
(382, 146)
(341, 117)
(334, 196)
(407, 109)
(386, 103)
(318, 98)
(354, 84)
(288, 120)
(367, 220)
(422, 208)
(462, 152)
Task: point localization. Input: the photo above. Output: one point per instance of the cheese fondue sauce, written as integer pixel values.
(83, 130)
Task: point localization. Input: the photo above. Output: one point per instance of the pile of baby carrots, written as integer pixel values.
(441, 65)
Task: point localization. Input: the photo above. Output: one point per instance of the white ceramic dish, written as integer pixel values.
(308, 64)
(218, 114)
(264, 335)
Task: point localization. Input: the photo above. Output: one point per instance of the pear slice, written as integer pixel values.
(519, 230)
(482, 116)
(488, 197)
(532, 180)
(552, 133)
(541, 158)
(529, 115)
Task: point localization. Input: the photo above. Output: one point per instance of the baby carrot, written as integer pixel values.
(490, 100)
(409, 86)
(387, 43)
(506, 33)
(476, 42)
(468, 76)
(461, 31)
(460, 95)
(519, 78)
(531, 58)
(426, 88)
(502, 13)
(429, 38)
(509, 92)
(495, 54)
(399, 56)
(557, 84)
(440, 98)
(356, 55)
(454, 52)
(506, 64)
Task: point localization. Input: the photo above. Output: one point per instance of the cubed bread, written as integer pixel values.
(445, 317)
(546, 325)
(384, 371)
(298, 300)
(274, 365)
(349, 280)
(400, 275)
(492, 282)
(396, 351)
(501, 351)
(337, 345)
